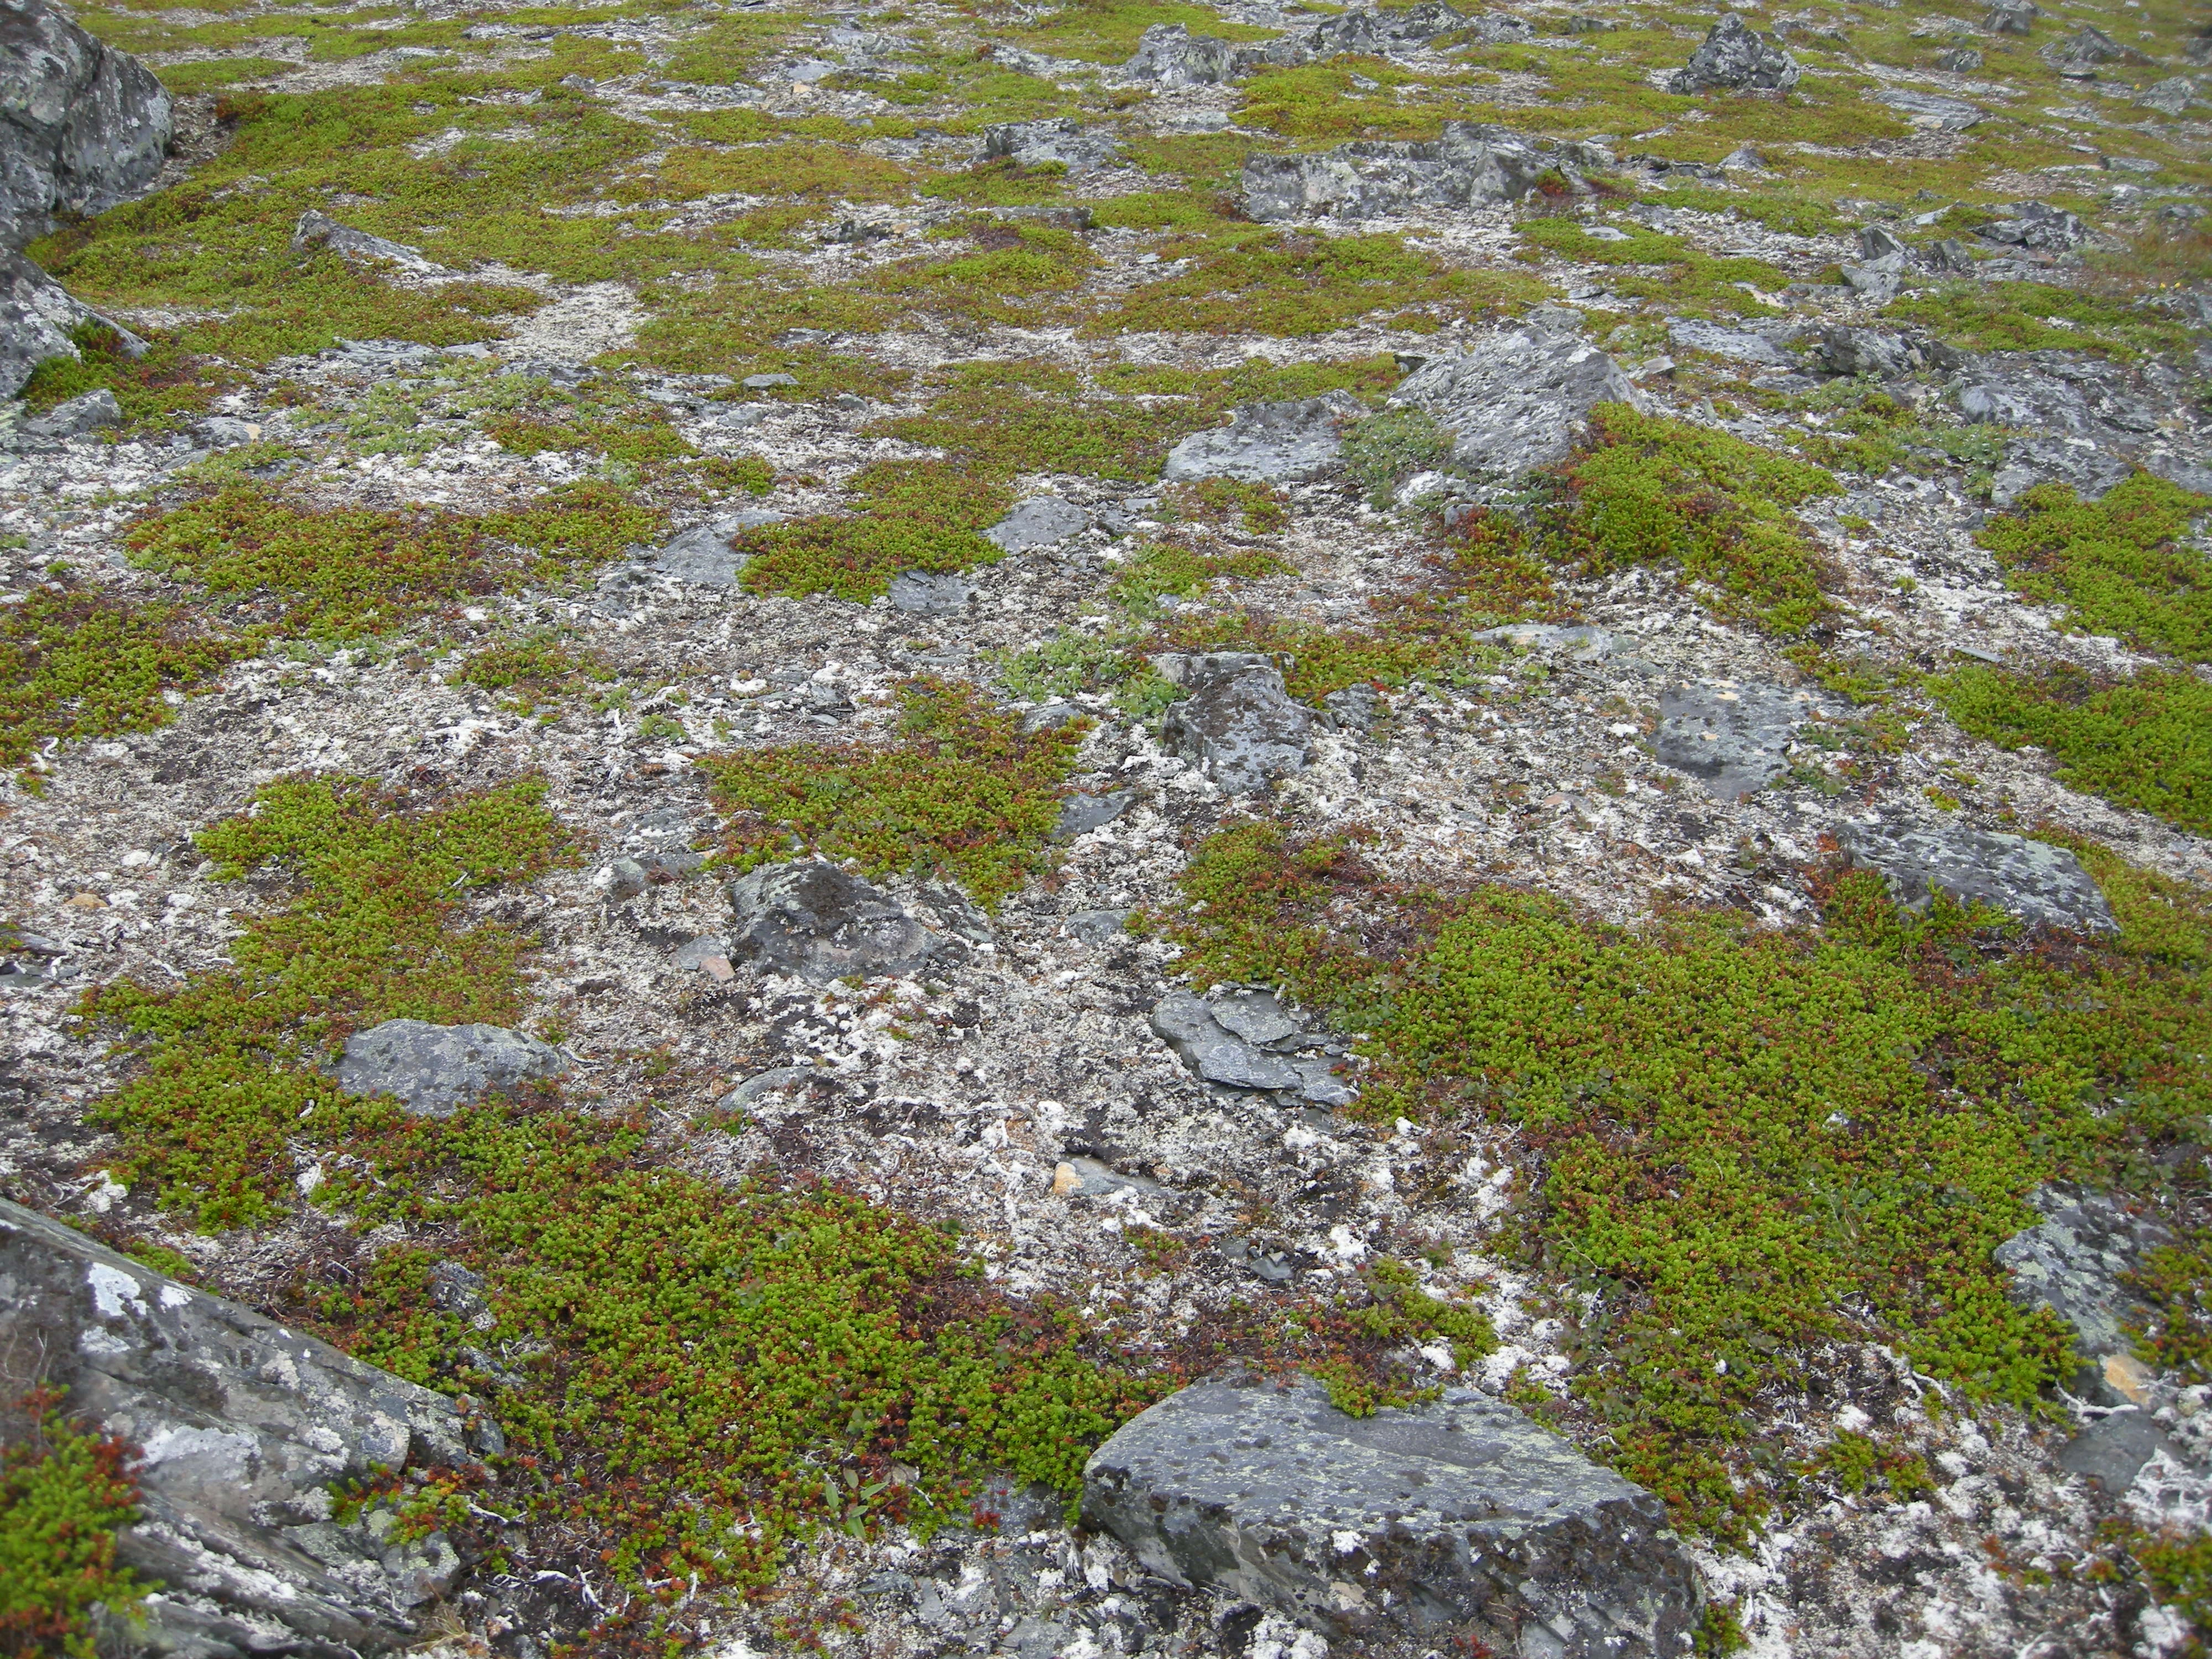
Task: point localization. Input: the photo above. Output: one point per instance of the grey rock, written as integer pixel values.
(2078, 463)
(1215, 1054)
(767, 382)
(1051, 716)
(2169, 97)
(1959, 60)
(435, 1069)
(1578, 643)
(1735, 56)
(1237, 725)
(780, 1079)
(1932, 110)
(1742, 345)
(2081, 53)
(1040, 521)
(1949, 254)
(702, 555)
(2011, 17)
(1264, 443)
(624, 878)
(692, 955)
(2037, 226)
(2082, 420)
(814, 919)
(1517, 400)
(1380, 32)
(2042, 885)
(1744, 159)
(36, 316)
(1469, 165)
(1169, 55)
(1039, 144)
(1080, 814)
(927, 594)
(1269, 1267)
(1355, 709)
(82, 126)
(1877, 281)
(2113, 1450)
(1461, 1516)
(2073, 1262)
(1099, 927)
(1735, 740)
(316, 230)
(2139, 164)
(79, 415)
(1258, 1016)
(1867, 351)
(1877, 241)
(244, 1427)
(1095, 1179)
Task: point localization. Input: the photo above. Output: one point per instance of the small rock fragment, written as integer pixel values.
(435, 1069)
(1080, 814)
(1096, 928)
(625, 878)
(812, 918)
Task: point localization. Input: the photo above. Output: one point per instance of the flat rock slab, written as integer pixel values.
(1239, 725)
(930, 593)
(809, 917)
(1735, 741)
(2042, 885)
(1461, 1516)
(1469, 165)
(1040, 521)
(435, 1069)
(1740, 345)
(1062, 141)
(1930, 110)
(1265, 443)
(2113, 1450)
(1517, 400)
(244, 1428)
(1245, 1039)
(357, 247)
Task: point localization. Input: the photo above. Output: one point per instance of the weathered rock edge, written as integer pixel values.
(1463, 1513)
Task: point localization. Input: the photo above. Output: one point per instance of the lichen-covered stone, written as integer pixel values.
(1460, 1519)
(1735, 56)
(1239, 725)
(36, 316)
(1470, 165)
(435, 1069)
(1517, 400)
(809, 917)
(1040, 521)
(1735, 739)
(1058, 142)
(2074, 1261)
(2042, 885)
(82, 126)
(1264, 443)
(243, 1429)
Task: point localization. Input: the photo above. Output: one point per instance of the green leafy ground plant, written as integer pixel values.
(967, 793)
(906, 516)
(63, 1494)
(79, 664)
(1751, 1144)
(2119, 565)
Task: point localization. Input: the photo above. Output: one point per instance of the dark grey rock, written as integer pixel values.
(1169, 55)
(693, 954)
(2086, 51)
(244, 1428)
(1099, 927)
(1237, 725)
(1517, 399)
(1950, 254)
(2057, 394)
(1097, 1179)
(1471, 164)
(2113, 1450)
(1578, 643)
(1265, 443)
(814, 919)
(433, 1069)
(1734, 57)
(1051, 716)
(2073, 1262)
(1877, 281)
(1460, 1516)
(36, 316)
(1875, 240)
(780, 1079)
(624, 878)
(1268, 1267)
(1080, 814)
(927, 594)
(1040, 521)
(82, 126)
(769, 382)
(1355, 709)
(1214, 1053)
(1378, 33)
(2011, 17)
(1932, 110)
(79, 415)
(2077, 463)
(1867, 351)
(2042, 885)
(1736, 740)
(1061, 141)
(1959, 60)
(358, 247)
(702, 555)
(2036, 226)
(1742, 345)
(2170, 97)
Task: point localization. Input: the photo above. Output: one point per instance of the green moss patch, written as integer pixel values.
(2118, 565)
(2037, 317)
(1688, 282)
(340, 574)
(2144, 742)
(1751, 1144)
(63, 1494)
(1651, 489)
(75, 663)
(966, 794)
(908, 515)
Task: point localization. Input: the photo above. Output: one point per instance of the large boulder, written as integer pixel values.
(1470, 164)
(1237, 725)
(82, 126)
(1517, 400)
(1264, 443)
(2042, 885)
(810, 918)
(434, 1070)
(1460, 1523)
(243, 1428)
(1734, 58)
(1169, 55)
(36, 317)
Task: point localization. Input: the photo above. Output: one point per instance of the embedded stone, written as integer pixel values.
(1517, 400)
(2042, 885)
(1461, 1518)
(36, 317)
(435, 1069)
(930, 593)
(2036, 226)
(357, 247)
(1736, 740)
(1061, 142)
(1239, 725)
(1470, 165)
(73, 419)
(1214, 1053)
(242, 1430)
(812, 918)
(1265, 443)
(1932, 110)
(2075, 1261)
(1742, 345)
(1040, 521)
(1080, 814)
(1867, 351)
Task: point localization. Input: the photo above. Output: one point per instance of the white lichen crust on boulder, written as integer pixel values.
(1460, 1516)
